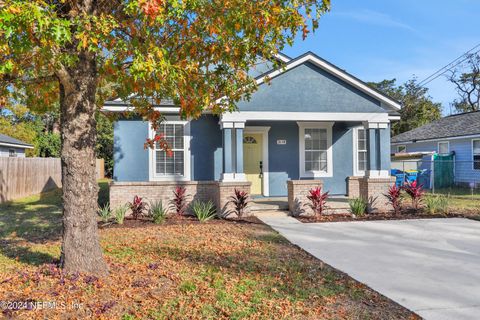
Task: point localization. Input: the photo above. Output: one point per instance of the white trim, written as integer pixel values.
(438, 146)
(131, 108)
(265, 179)
(226, 125)
(227, 177)
(356, 171)
(186, 155)
(474, 136)
(301, 135)
(377, 118)
(282, 57)
(375, 125)
(336, 72)
(378, 174)
(20, 146)
(473, 155)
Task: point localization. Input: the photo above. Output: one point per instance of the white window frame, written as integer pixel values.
(356, 171)
(404, 146)
(443, 142)
(473, 154)
(13, 154)
(301, 137)
(186, 155)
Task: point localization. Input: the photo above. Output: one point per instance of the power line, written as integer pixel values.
(449, 66)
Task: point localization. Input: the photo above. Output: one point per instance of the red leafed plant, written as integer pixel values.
(394, 198)
(239, 201)
(317, 200)
(138, 207)
(179, 202)
(416, 193)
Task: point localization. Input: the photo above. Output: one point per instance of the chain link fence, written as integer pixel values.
(449, 177)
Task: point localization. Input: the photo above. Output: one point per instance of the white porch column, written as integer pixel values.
(232, 133)
(375, 152)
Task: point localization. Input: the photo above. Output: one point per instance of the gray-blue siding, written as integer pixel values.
(5, 151)
(464, 171)
(132, 163)
(284, 159)
(131, 159)
(308, 88)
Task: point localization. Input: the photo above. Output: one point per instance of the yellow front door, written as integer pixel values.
(252, 158)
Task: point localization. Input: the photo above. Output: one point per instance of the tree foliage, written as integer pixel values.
(417, 109)
(466, 78)
(77, 53)
(194, 52)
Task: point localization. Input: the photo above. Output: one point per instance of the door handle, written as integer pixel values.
(261, 169)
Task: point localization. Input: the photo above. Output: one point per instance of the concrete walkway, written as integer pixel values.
(431, 267)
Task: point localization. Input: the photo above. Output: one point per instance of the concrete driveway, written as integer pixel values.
(431, 267)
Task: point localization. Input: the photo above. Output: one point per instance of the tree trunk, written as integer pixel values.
(81, 251)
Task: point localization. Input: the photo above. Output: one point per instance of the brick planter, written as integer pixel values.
(374, 190)
(353, 187)
(218, 192)
(298, 191)
(224, 190)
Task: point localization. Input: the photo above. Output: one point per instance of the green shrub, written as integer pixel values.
(105, 213)
(120, 213)
(436, 204)
(358, 206)
(204, 211)
(158, 212)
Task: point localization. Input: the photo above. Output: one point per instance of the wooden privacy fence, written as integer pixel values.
(21, 177)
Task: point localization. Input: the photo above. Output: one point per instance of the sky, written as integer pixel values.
(402, 39)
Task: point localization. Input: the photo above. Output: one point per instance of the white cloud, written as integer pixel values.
(375, 18)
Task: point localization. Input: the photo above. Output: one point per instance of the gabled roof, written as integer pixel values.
(457, 125)
(387, 102)
(12, 142)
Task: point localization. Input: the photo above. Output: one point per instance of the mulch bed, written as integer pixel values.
(406, 215)
(143, 222)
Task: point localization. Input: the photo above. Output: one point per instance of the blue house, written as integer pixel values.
(457, 135)
(11, 147)
(311, 122)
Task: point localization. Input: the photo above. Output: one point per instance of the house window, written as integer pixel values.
(177, 164)
(476, 154)
(401, 149)
(443, 147)
(12, 153)
(360, 151)
(315, 149)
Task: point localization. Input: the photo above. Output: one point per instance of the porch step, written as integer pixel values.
(269, 205)
(334, 205)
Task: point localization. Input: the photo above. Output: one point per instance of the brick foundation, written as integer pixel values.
(218, 192)
(374, 190)
(297, 195)
(224, 190)
(353, 187)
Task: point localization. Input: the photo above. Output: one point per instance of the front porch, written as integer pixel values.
(269, 151)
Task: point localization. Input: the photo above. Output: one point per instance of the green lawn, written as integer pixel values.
(461, 200)
(179, 270)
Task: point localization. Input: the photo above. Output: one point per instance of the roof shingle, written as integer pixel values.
(456, 125)
(7, 139)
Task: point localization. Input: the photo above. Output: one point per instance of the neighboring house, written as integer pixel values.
(11, 147)
(312, 121)
(458, 134)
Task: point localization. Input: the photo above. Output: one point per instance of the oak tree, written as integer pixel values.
(196, 52)
(466, 78)
(417, 109)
